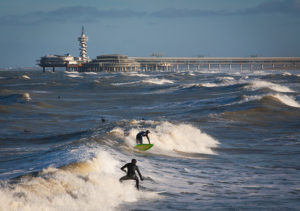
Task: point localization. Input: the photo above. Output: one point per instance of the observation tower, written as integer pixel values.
(82, 42)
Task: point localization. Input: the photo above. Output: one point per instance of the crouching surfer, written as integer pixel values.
(130, 173)
(139, 137)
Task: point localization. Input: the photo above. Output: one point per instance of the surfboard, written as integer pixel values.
(143, 147)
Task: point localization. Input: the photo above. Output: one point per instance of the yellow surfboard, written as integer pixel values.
(143, 147)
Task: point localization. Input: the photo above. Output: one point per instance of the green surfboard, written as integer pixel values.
(143, 147)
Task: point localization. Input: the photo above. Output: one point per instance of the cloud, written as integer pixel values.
(92, 14)
(275, 6)
(291, 7)
(68, 14)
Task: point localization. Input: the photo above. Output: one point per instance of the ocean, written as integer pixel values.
(223, 140)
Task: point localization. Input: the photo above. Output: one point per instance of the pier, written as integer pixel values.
(209, 63)
(123, 63)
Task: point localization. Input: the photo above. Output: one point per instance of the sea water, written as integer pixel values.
(223, 140)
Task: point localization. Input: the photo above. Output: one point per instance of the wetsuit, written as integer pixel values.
(131, 168)
(139, 137)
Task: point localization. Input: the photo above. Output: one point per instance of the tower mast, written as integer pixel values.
(82, 42)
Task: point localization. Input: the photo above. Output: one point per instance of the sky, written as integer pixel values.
(30, 29)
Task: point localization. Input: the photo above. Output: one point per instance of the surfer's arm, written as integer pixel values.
(137, 169)
(148, 139)
(123, 168)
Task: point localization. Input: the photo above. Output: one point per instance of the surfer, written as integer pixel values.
(130, 173)
(139, 137)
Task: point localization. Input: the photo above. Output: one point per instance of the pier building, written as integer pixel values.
(57, 61)
(110, 62)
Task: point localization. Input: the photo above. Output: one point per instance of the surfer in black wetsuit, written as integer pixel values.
(131, 168)
(139, 137)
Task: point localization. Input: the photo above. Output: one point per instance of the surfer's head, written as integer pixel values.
(147, 131)
(133, 161)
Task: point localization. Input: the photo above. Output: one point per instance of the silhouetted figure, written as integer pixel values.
(130, 173)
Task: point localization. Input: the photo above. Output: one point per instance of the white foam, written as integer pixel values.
(124, 84)
(26, 77)
(26, 96)
(157, 81)
(225, 82)
(286, 74)
(135, 74)
(90, 185)
(90, 73)
(225, 78)
(265, 84)
(210, 85)
(169, 138)
(74, 76)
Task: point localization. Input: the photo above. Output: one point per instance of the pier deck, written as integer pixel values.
(251, 63)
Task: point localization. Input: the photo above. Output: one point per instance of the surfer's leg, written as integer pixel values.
(124, 178)
(139, 140)
(137, 183)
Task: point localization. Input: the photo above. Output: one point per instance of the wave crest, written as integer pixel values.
(255, 85)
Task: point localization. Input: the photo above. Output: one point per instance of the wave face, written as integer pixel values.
(220, 139)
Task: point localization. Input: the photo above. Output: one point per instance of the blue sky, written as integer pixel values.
(33, 28)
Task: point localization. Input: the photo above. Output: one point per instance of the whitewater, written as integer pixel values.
(223, 140)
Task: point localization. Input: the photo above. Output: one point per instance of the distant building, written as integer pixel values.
(110, 62)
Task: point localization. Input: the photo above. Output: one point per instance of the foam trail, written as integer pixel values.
(168, 137)
(90, 185)
(265, 84)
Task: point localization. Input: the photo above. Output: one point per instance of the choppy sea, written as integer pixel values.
(223, 140)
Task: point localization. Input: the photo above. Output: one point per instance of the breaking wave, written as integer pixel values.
(88, 185)
(169, 138)
(284, 99)
(255, 85)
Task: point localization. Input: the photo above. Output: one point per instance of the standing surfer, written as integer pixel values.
(130, 173)
(139, 137)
